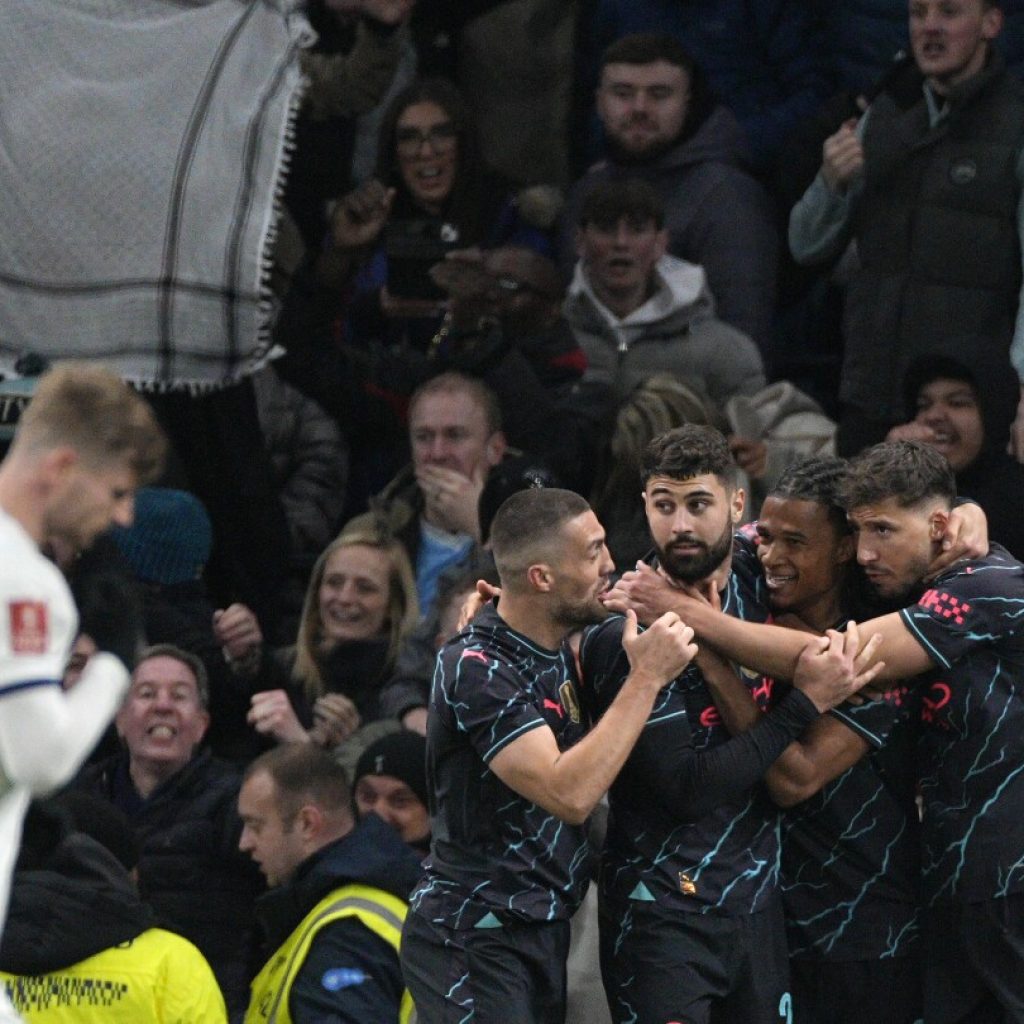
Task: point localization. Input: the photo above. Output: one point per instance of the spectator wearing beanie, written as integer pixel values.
(170, 540)
(390, 781)
(167, 548)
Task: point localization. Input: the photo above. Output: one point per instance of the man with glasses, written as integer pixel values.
(505, 326)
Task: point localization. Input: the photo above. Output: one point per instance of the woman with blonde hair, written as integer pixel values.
(360, 603)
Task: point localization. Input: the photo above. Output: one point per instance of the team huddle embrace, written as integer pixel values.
(807, 731)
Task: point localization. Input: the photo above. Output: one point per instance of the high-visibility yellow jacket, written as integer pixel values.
(377, 910)
(156, 978)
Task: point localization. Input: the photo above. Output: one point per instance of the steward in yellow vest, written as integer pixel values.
(334, 913)
(380, 912)
(156, 978)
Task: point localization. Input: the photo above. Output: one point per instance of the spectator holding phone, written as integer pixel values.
(431, 195)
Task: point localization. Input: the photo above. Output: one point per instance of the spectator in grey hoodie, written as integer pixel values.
(637, 311)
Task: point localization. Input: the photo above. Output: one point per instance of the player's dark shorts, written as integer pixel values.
(974, 962)
(856, 991)
(509, 975)
(659, 965)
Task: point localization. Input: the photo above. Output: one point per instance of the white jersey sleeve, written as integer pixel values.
(45, 733)
(38, 620)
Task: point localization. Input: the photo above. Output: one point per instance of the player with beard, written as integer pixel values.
(691, 917)
(960, 635)
(513, 773)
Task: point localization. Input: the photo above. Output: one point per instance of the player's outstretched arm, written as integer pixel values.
(46, 733)
(775, 650)
(570, 783)
(772, 650)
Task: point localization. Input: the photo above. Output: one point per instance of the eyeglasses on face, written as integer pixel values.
(513, 286)
(440, 137)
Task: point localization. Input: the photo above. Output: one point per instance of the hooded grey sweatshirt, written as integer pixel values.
(675, 331)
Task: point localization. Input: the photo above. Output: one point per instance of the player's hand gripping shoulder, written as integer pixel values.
(658, 654)
(475, 602)
(830, 669)
(966, 536)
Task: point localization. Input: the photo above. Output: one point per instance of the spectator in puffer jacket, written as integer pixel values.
(864, 37)
(309, 462)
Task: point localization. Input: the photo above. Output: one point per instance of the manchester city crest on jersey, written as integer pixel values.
(687, 886)
(567, 695)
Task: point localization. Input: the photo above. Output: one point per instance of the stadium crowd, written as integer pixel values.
(511, 511)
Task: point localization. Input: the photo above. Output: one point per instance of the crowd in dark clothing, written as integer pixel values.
(453, 260)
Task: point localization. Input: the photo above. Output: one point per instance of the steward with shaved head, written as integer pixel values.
(513, 772)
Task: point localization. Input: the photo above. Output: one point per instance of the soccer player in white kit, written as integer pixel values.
(82, 447)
